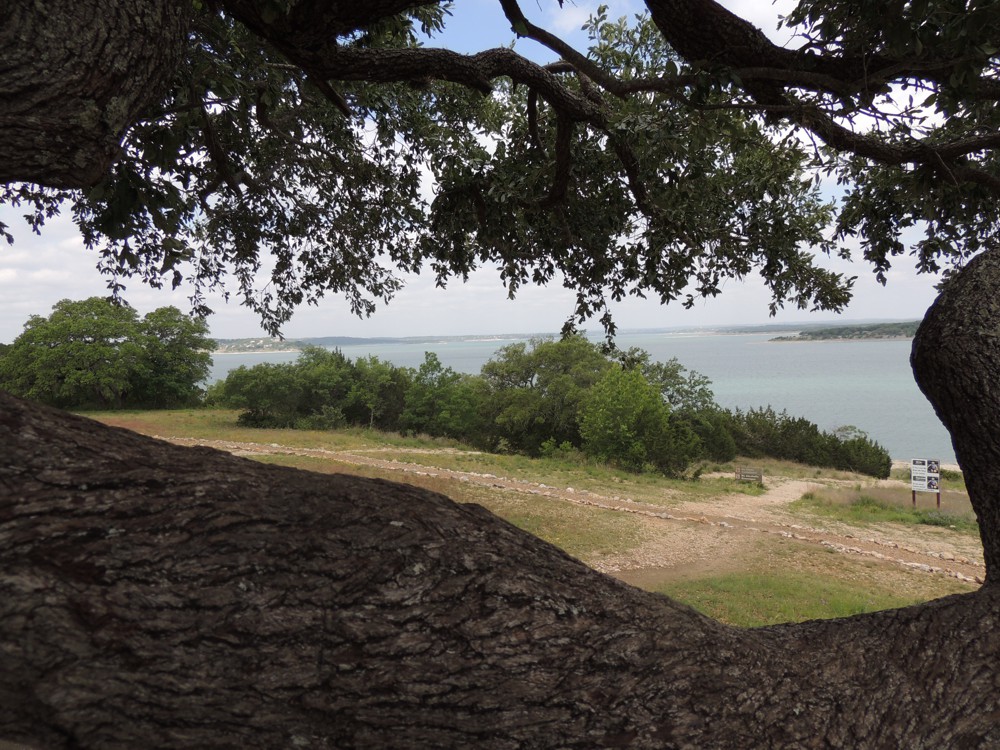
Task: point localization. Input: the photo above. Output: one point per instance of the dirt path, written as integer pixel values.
(702, 530)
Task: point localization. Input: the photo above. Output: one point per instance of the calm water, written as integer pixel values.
(867, 384)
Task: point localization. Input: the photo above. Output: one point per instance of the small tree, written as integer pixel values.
(625, 421)
(684, 390)
(537, 392)
(377, 394)
(441, 402)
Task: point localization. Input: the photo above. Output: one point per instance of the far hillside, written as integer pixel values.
(903, 330)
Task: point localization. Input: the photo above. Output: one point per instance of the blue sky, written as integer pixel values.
(38, 271)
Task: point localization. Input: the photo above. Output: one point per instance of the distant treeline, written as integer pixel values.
(268, 344)
(544, 398)
(907, 329)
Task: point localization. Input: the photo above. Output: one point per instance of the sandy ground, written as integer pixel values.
(703, 536)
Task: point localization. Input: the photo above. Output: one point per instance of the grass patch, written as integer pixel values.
(766, 582)
(871, 505)
(756, 599)
(220, 424)
(592, 476)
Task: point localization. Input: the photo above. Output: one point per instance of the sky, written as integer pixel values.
(38, 271)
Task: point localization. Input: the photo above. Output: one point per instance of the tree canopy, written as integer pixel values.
(95, 354)
(291, 145)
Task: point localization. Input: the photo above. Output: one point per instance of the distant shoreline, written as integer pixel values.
(858, 339)
(255, 351)
(875, 332)
(794, 333)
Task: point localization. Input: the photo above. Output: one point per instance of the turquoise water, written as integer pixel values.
(867, 384)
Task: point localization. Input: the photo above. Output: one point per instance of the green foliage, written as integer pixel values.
(443, 403)
(764, 432)
(564, 450)
(175, 359)
(244, 163)
(95, 354)
(547, 398)
(527, 400)
(321, 390)
(535, 394)
(625, 421)
(712, 428)
(683, 390)
(377, 394)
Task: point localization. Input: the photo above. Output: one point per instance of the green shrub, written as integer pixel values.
(765, 432)
(626, 422)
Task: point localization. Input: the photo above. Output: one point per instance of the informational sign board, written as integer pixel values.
(925, 475)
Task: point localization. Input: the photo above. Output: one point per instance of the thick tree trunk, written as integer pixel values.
(152, 595)
(956, 360)
(74, 74)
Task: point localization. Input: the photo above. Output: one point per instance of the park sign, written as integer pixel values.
(925, 475)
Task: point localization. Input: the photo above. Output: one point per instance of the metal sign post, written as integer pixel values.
(925, 476)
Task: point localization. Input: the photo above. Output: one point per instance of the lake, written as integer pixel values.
(867, 384)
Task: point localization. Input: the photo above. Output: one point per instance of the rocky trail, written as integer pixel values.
(699, 530)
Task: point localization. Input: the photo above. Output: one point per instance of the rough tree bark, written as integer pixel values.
(74, 76)
(152, 595)
(956, 360)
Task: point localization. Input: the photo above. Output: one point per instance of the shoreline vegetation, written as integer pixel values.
(544, 397)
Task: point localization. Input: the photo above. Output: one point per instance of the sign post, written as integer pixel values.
(925, 476)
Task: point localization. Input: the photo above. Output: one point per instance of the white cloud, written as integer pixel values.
(571, 17)
(764, 15)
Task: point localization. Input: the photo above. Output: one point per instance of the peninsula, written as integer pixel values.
(903, 330)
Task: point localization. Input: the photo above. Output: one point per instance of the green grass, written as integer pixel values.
(755, 599)
(586, 475)
(864, 508)
(220, 424)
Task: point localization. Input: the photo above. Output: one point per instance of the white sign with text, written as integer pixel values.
(925, 475)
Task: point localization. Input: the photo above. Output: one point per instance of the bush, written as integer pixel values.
(765, 432)
(321, 390)
(625, 421)
(712, 429)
